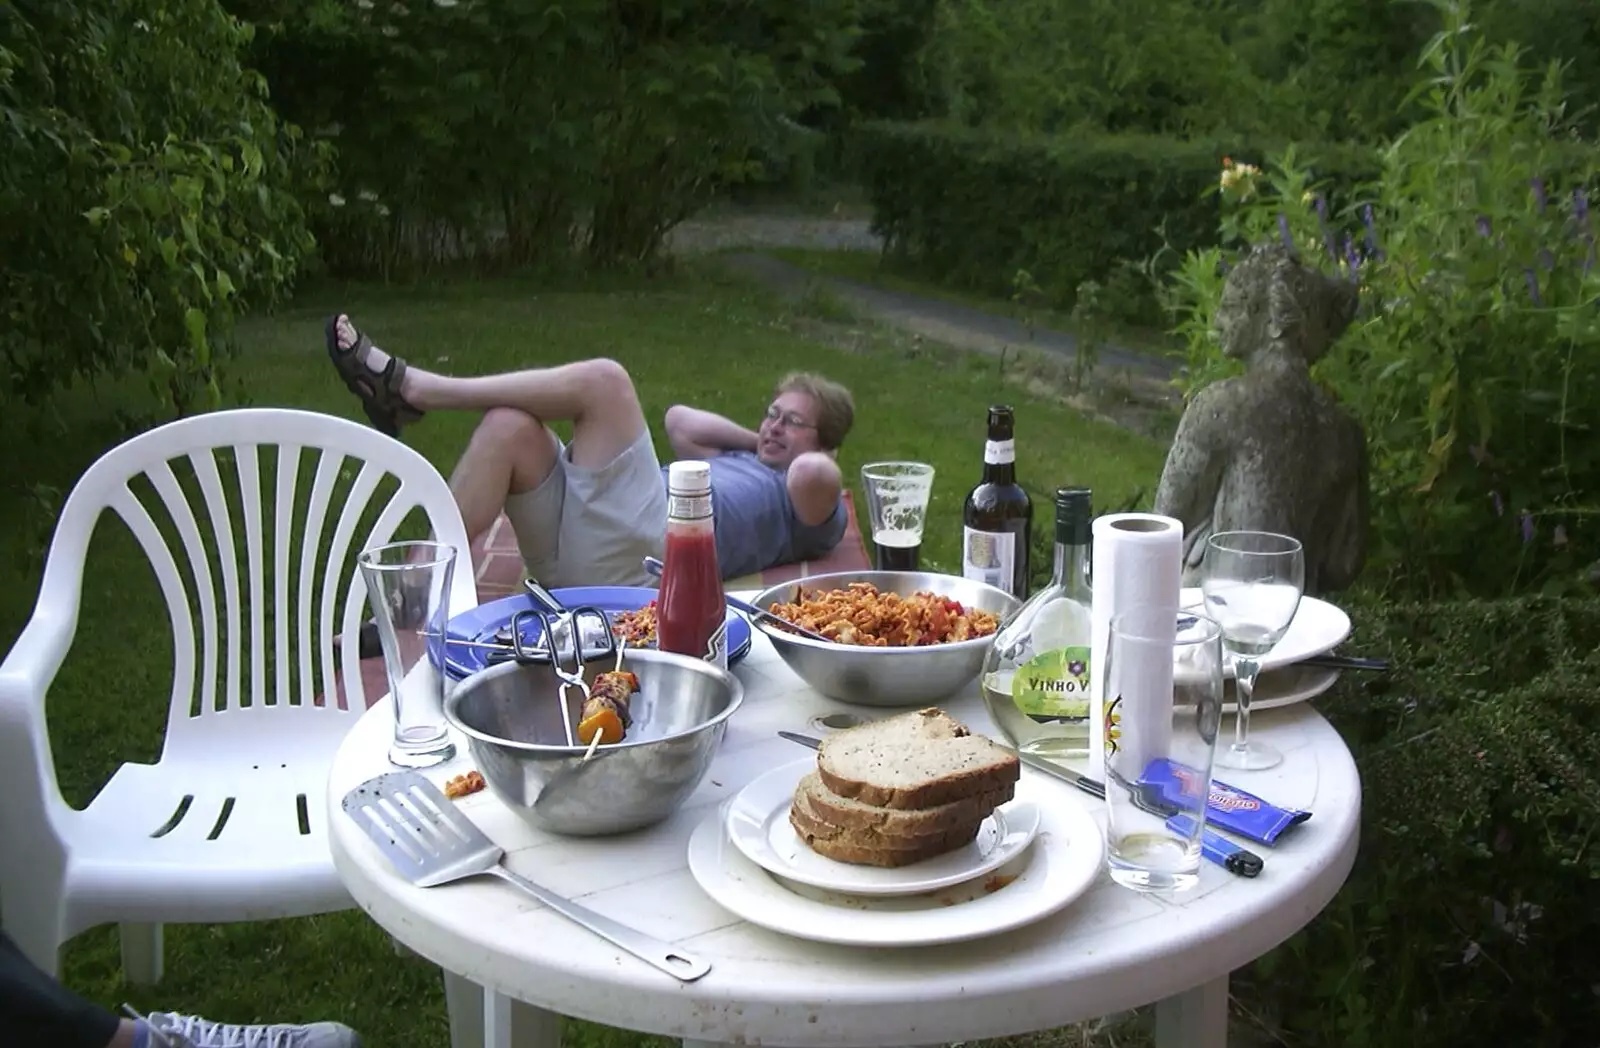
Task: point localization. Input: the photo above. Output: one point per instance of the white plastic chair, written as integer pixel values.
(228, 824)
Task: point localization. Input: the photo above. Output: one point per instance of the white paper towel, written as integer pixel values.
(1138, 562)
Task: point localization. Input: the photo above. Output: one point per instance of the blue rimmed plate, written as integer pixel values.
(483, 622)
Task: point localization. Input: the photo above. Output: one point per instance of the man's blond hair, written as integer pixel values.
(836, 409)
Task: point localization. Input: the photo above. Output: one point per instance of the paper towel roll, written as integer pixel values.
(1138, 562)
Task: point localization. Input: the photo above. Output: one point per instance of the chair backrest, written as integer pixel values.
(302, 631)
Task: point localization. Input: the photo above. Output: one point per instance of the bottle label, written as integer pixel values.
(688, 507)
(1054, 686)
(999, 452)
(989, 556)
(717, 647)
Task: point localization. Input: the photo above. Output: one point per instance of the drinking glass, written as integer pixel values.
(897, 506)
(1163, 685)
(1251, 582)
(408, 586)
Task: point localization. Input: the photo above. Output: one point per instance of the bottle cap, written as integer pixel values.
(1074, 516)
(689, 478)
(1002, 422)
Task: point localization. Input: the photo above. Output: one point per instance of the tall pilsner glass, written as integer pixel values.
(1251, 582)
(408, 586)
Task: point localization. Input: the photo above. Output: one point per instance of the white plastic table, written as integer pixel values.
(1110, 950)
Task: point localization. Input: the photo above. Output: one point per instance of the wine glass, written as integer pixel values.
(1251, 583)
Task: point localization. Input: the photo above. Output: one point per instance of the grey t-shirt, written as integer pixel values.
(755, 523)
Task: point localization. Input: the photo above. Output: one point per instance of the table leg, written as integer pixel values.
(509, 1023)
(1196, 1018)
(463, 1000)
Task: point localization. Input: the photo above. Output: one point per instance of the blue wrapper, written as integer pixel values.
(1227, 808)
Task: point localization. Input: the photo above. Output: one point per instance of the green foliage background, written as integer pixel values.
(146, 194)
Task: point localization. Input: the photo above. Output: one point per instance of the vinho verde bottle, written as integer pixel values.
(998, 514)
(1036, 674)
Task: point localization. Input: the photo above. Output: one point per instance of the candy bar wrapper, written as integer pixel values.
(1228, 807)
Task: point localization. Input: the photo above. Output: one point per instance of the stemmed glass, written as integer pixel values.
(1251, 583)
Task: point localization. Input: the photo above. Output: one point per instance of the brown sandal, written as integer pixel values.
(379, 390)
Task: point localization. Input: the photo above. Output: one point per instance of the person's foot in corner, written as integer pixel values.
(191, 1031)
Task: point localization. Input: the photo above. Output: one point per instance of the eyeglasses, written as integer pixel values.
(789, 419)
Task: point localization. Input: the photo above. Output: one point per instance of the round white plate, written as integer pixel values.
(758, 825)
(1317, 629)
(1062, 864)
(1284, 687)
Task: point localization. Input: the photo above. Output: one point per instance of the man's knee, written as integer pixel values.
(518, 441)
(608, 381)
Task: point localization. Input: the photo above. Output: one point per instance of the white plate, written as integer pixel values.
(758, 825)
(1285, 687)
(1317, 629)
(1064, 861)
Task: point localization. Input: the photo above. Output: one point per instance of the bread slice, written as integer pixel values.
(915, 760)
(823, 805)
(848, 850)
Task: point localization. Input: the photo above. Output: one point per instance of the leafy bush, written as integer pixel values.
(1469, 916)
(533, 132)
(144, 193)
(973, 207)
(1476, 365)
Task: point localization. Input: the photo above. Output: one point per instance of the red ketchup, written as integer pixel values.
(691, 612)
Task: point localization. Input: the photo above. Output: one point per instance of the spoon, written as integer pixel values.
(653, 566)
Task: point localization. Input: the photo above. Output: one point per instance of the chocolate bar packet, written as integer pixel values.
(1228, 807)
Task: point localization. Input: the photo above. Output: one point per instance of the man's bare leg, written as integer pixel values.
(512, 451)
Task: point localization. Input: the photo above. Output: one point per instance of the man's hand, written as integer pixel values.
(696, 434)
(814, 485)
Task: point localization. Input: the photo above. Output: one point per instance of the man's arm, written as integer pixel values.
(814, 485)
(701, 434)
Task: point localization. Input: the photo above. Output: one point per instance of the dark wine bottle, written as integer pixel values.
(998, 514)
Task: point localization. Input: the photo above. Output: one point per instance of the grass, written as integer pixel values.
(870, 268)
(697, 337)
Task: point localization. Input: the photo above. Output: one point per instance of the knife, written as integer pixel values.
(1214, 846)
(1347, 662)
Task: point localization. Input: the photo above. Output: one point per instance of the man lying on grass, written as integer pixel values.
(589, 512)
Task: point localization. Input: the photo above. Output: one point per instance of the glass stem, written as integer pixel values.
(1244, 682)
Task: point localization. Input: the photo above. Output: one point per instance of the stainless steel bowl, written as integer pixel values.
(887, 676)
(512, 721)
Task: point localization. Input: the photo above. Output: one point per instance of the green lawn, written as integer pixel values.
(696, 337)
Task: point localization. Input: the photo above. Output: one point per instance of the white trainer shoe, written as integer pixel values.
(191, 1031)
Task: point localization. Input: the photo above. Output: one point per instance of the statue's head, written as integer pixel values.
(1272, 304)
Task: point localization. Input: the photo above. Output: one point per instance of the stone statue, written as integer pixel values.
(1271, 450)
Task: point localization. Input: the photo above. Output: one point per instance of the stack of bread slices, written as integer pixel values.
(901, 790)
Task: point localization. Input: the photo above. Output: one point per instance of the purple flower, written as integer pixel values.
(1538, 192)
(1533, 286)
(1373, 250)
(1283, 231)
(1352, 256)
(1499, 503)
(1580, 207)
(1321, 204)
(1527, 527)
(1547, 261)
(1485, 227)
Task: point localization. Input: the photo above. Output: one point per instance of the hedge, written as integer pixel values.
(972, 207)
(1470, 915)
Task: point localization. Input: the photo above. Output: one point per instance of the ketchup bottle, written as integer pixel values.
(691, 611)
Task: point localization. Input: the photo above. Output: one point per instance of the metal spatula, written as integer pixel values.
(430, 842)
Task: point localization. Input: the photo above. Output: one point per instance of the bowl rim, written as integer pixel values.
(454, 699)
(777, 633)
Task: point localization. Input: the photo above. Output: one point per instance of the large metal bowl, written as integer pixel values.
(512, 720)
(886, 676)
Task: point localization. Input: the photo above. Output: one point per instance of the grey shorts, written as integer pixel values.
(593, 527)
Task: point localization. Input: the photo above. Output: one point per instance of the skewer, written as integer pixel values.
(594, 743)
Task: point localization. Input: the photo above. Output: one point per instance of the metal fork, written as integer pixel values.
(430, 842)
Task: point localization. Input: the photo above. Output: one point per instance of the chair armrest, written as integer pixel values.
(26, 762)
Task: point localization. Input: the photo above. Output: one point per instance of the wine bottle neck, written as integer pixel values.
(1071, 570)
(999, 461)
